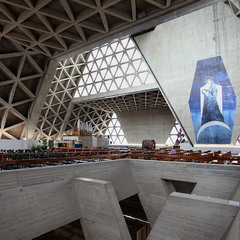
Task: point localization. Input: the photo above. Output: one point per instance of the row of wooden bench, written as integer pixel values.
(187, 156)
(164, 155)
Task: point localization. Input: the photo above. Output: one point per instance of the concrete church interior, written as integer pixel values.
(120, 119)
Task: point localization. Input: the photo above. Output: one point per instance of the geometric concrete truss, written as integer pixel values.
(21, 73)
(115, 132)
(109, 68)
(113, 66)
(54, 28)
(112, 105)
(31, 31)
(98, 118)
(58, 101)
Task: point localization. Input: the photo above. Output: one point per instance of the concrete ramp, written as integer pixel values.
(102, 217)
(188, 217)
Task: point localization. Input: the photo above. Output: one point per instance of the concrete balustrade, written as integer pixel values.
(36, 201)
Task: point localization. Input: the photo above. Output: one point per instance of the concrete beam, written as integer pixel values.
(117, 93)
(188, 217)
(41, 97)
(65, 122)
(101, 215)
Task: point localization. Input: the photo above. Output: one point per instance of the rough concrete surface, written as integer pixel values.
(36, 201)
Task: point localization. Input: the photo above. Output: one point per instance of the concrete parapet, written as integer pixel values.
(36, 201)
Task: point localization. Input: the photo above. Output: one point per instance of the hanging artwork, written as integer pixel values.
(212, 102)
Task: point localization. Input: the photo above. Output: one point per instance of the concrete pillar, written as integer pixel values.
(102, 217)
(66, 120)
(41, 97)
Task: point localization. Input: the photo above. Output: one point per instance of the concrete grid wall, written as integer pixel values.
(173, 49)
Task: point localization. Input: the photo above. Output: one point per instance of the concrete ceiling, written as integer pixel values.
(21, 75)
(133, 102)
(34, 32)
(56, 27)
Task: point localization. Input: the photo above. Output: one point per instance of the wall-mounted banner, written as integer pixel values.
(212, 102)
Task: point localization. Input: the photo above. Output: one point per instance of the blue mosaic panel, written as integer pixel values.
(212, 102)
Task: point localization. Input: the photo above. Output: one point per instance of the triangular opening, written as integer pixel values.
(179, 186)
(53, 132)
(135, 217)
(39, 124)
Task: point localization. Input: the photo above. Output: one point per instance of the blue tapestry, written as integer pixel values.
(212, 102)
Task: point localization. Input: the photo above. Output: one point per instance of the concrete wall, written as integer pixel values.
(155, 124)
(7, 144)
(91, 141)
(173, 49)
(102, 142)
(88, 141)
(35, 201)
(212, 180)
(234, 229)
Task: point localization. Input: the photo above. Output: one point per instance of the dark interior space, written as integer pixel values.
(135, 217)
(71, 231)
